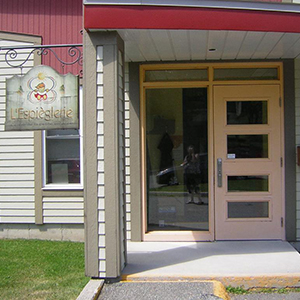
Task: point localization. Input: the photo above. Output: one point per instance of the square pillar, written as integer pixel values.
(104, 154)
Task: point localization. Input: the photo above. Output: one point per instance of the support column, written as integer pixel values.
(104, 154)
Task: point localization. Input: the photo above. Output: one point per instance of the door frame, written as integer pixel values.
(209, 84)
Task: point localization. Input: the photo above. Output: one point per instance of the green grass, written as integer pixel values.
(32, 269)
(241, 291)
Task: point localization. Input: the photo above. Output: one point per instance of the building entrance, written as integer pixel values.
(212, 157)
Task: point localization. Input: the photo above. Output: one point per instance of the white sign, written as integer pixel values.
(42, 99)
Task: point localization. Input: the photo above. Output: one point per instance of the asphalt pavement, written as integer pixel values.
(158, 291)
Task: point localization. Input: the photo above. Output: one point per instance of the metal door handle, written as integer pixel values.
(219, 171)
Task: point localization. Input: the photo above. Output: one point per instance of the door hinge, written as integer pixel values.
(279, 101)
(281, 162)
(281, 222)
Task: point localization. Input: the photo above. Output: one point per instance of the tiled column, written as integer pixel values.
(104, 154)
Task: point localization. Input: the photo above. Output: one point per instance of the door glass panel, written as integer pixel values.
(247, 146)
(177, 159)
(247, 112)
(176, 75)
(248, 209)
(246, 74)
(248, 183)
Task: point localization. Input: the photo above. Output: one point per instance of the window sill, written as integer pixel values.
(62, 191)
(64, 187)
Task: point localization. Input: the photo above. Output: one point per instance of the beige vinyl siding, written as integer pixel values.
(16, 153)
(63, 210)
(297, 112)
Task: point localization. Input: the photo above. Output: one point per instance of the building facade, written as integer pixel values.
(189, 124)
(32, 203)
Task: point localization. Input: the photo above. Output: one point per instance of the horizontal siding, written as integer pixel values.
(16, 192)
(16, 170)
(64, 220)
(16, 219)
(17, 203)
(15, 199)
(63, 210)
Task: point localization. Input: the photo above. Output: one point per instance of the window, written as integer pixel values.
(63, 158)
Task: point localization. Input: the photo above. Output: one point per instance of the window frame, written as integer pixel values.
(67, 186)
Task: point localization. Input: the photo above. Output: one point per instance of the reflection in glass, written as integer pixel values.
(247, 146)
(248, 209)
(247, 112)
(63, 156)
(177, 160)
(248, 183)
(176, 75)
(246, 74)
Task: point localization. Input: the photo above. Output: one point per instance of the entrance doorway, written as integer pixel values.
(248, 162)
(212, 151)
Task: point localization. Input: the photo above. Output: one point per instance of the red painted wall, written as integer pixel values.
(188, 18)
(56, 21)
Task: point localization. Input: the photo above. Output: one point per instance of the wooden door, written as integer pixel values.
(248, 162)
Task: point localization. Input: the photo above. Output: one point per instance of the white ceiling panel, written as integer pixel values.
(133, 52)
(267, 44)
(198, 42)
(250, 44)
(284, 45)
(182, 45)
(294, 51)
(163, 44)
(216, 40)
(145, 45)
(234, 40)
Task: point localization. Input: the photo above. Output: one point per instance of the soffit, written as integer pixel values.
(185, 45)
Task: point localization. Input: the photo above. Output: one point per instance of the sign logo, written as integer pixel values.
(42, 99)
(42, 88)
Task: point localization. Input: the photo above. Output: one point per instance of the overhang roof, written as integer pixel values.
(175, 32)
(186, 45)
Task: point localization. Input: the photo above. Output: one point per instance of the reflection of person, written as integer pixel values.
(192, 172)
(166, 160)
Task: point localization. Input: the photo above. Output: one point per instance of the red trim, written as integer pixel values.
(164, 17)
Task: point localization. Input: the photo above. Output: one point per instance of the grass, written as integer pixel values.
(43, 270)
(241, 291)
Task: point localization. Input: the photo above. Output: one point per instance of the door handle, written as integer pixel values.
(219, 171)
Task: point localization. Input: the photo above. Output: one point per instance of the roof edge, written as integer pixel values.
(243, 5)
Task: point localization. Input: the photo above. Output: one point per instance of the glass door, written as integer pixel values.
(176, 151)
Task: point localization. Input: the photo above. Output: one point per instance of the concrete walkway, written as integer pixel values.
(235, 263)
